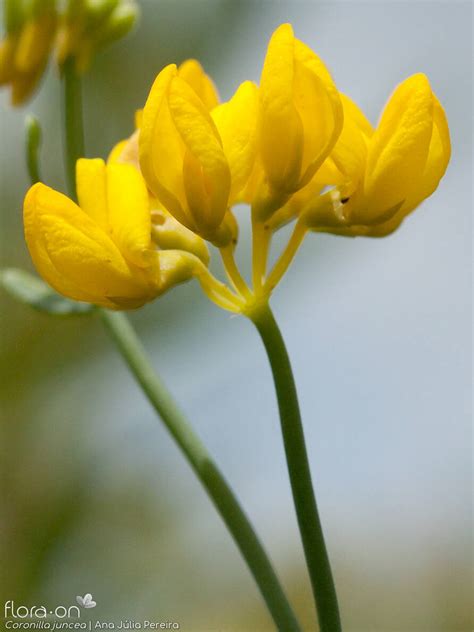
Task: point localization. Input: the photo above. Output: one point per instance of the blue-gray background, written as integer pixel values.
(96, 498)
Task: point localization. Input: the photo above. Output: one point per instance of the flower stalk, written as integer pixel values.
(286, 257)
(204, 467)
(312, 536)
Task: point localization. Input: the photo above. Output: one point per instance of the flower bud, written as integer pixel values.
(169, 234)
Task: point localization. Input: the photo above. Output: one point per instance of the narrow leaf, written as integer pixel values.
(32, 291)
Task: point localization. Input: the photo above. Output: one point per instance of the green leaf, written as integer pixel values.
(30, 290)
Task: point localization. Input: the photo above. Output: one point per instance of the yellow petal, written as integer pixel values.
(126, 151)
(280, 127)
(116, 151)
(350, 151)
(161, 149)
(438, 158)
(176, 267)
(129, 215)
(74, 255)
(193, 73)
(206, 172)
(91, 184)
(236, 122)
(319, 107)
(399, 148)
(138, 118)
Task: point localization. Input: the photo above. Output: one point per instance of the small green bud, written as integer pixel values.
(99, 11)
(120, 23)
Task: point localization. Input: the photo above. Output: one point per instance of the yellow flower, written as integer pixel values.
(300, 118)
(101, 251)
(193, 73)
(196, 163)
(383, 175)
(87, 26)
(25, 49)
(167, 232)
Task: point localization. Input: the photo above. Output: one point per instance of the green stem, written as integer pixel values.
(300, 476)
(73, 122)
(123, 334)
(195, 452)
(33, 142)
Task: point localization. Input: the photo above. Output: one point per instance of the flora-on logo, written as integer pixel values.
(12, 611)
(86, 601)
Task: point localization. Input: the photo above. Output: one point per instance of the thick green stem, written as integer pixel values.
(123, 334)
(300, 476)
(195, 452)
(73, 122)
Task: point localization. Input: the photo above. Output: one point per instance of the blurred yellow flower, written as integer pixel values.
(102, 251)
(195, 162)
(78, 29)
(24, 51)
(383, 175)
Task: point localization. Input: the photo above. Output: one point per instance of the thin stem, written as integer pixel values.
(287, 256)
(218, 292)
(300, 476)
(33, 142)
(206, 470)
(73, 122)
(261, 238)
(127, 342)
(233, 272)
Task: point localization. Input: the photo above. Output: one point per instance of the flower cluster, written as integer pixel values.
(76, 28)
(294, 148)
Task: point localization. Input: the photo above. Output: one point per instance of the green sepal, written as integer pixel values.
(30, 290)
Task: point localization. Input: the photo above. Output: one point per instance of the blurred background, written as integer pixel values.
(95, 495)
